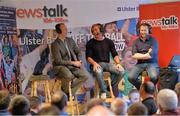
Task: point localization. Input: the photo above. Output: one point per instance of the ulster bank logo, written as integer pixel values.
(165, 23)
(47, 14)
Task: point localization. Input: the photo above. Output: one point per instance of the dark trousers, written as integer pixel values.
(66, 74)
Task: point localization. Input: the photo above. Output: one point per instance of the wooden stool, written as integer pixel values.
(106, 77)
(40, 80)
(72, 101)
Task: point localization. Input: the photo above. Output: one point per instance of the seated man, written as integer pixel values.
(98, 51)
(66, 60)
(145, 50)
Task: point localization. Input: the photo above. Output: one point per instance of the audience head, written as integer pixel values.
(134, 96)
(94, 102)
(177, 90)
(137, 109)
(99, 111)
(147, 88)
(4, 99)
(34, 102)
(59, 99)
(167, 100)
(49, 109)
(119, 106)
(19, 105)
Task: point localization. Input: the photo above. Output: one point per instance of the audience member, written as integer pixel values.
(4, 102)
(177, 90)
(146, 91)
(49, 110)
(99, 111)
(134, 96)
(119, 106)
(137, 109)
(167, 102)
(94, 102)
(59, 99)
(19, 105)
(35, 102)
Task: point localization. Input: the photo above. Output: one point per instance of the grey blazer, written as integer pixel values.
(60, 53)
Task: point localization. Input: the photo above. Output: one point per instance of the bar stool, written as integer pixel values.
(106, 77)
(37, 80)
(72, 101)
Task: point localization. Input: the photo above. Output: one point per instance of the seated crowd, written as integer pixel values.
(165, 102)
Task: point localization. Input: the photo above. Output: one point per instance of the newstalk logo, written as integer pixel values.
(48, 15)
(164, 23)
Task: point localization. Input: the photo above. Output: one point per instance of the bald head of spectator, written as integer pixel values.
(19, 105)
(137, 109)
(147, 89)
(99, 111)
(119, 106)
(167, 100)
(94, 102)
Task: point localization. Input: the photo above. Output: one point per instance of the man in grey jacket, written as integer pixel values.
(66, 60)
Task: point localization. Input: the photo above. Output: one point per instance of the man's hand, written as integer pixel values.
(120, 68)
(150, 50)
(96, 67)
(77, 63)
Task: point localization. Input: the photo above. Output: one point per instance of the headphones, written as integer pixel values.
(57, 27)
(101, 28)
(144, 24)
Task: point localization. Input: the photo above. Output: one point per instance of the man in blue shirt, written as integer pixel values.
(145, 50)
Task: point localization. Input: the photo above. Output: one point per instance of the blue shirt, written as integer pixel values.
(140, 46)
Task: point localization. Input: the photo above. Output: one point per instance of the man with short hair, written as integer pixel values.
(19, 105)
(145, 51)
(147, 94)
(59, 99)
(167, 102)
(137, 109)
(98, 50)
(4, 102)
(119, 106)
(67, 60)
(177, 90)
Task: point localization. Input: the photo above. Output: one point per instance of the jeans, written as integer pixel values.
(151, 68)
(116, 76)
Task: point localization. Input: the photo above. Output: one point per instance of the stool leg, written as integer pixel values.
(45, 91)
(71, 99)
(77, 107)
(32, 89)
(96, 90)
(110, 87)
(35, 88)
(48, 91)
